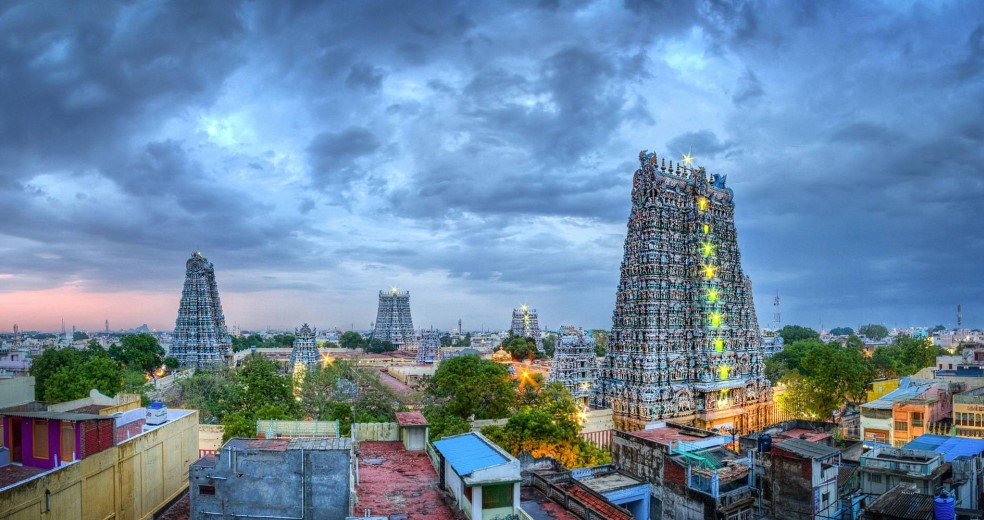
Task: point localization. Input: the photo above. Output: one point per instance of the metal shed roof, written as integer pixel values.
(950, 447)
(468, 452)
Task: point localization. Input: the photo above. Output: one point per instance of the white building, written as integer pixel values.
(483, 477)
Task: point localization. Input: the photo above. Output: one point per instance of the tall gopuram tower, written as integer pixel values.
(200, 336)
(574, 363)
(393, 322)
(305, 349)
(525, 323)
(430, 347)
(685, 343)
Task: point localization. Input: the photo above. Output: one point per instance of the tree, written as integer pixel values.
(937, 328)
(212, 393)
(472, 386)
(262, 384)
(549, 344)
(445, 340)
(171, 363)
(905, 356)
(793, 333)
(378, 346)
(601, 341)
(351, 340)
(51, 361)
(141, 352)
(547, 423)
(842, 331)
(79, 335)
(465, 341)
(873, 331)
(520, 347)
(75, 381)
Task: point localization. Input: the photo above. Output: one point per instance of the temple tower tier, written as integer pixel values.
(685, 342)
(430, 347)
(201, 339)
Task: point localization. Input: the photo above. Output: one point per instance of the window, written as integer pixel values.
(206, 490)
(40, 438)
(875, 478)
(917, 419)
(826, 497)
(902, 426)
(67, 441)
(497, 496)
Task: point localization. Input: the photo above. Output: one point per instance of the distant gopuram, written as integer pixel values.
(685, 342)
(525, 323)
(305, 349)
(393, 322)
(574, 363)
(200, 336)
(430, 347)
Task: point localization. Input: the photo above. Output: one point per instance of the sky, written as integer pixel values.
(480, 155)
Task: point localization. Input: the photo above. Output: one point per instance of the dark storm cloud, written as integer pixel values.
(287, 138)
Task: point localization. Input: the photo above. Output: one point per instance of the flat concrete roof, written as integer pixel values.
(607, 482)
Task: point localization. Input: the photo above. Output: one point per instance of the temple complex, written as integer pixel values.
(305, 349)
(574, 362)
(393, 322)
(525, 323)
(200, 336)
(430, 347)
(685, 342)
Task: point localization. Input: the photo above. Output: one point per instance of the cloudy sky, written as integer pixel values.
(480, 155)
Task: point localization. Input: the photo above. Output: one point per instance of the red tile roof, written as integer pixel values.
(600, 505)
(411, 419)
(665, 435)
(394, 481)
(12, 474)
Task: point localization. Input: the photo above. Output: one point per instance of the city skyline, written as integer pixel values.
(479, 156)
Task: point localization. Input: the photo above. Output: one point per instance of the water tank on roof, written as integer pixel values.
(944, 507)
(156, 413)
(765, 443)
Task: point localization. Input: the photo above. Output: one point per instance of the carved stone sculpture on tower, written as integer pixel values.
(200, 336)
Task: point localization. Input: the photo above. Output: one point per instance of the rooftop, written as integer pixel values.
(886, 401)
(609, 510)
(950, 447)
(294, 443)
(411, 419)
(807, 435)
(12, 474)
(470, 452)
(810, 450)
(902, 502)
(539, 507)
(394, 481)
(58, 416)
(606, 482)
(665, 435)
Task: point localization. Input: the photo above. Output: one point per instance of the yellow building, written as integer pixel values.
(968, 413)
(879, 388)
(144, 469)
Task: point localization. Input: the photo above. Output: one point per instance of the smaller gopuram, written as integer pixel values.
(525, 323)
(429, 351)
(305, 350)
(574, 362)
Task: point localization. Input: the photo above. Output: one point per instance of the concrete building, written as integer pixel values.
(802, 480)
(302, 478)
(876, 416)
(884, 467)
(79, 465)
(966, 457)
(617, 487)
(393, 482)
(483, 478)
(929, 412)
(15, 391)
(902, 502)
(968, 413)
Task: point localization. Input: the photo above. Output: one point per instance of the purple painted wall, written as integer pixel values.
(54, 442)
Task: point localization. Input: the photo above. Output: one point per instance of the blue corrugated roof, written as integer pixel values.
(467, 453)
(885, 402)
(950, 447)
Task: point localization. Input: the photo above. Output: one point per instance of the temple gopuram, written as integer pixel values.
(574, 362)
(685, 343)
(429, 351)
(393, 321)
(200, 336)
(305, 349)
(525, 323)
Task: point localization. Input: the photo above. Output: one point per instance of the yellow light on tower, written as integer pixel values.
(724, 372)
(712, 295)
(707, 229)
(719, 345)
(715, 319)
(709, 271)
(708, 249)
(702, 203)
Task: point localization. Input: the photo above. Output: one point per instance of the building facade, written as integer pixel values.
(968, 413)
(574, 362)
(393, 321)
(685, 341)
(201, 339)
(305, 349)
(526, 323)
